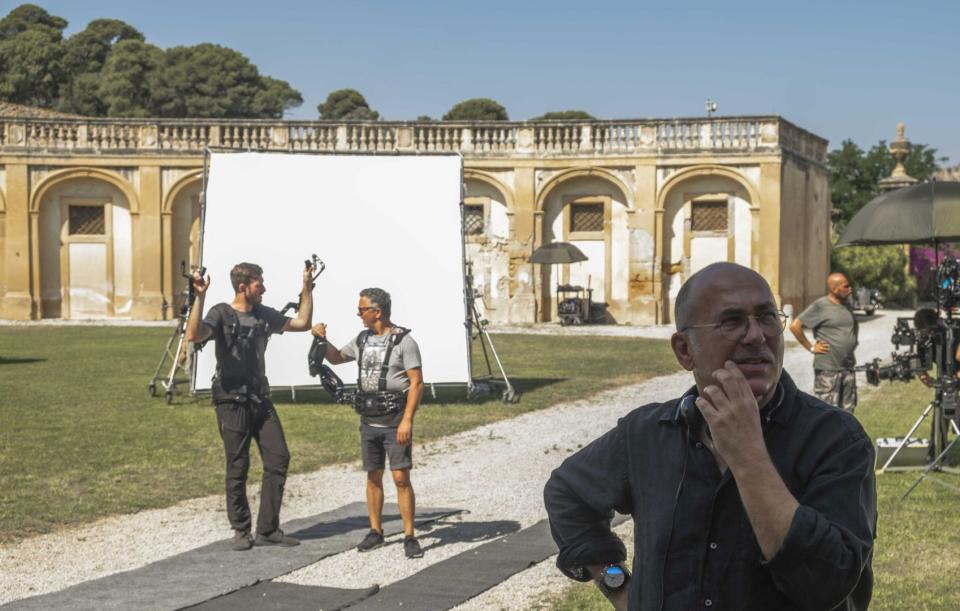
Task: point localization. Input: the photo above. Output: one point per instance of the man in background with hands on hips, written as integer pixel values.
(835, 331)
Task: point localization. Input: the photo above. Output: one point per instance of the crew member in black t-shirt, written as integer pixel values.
(241, 395)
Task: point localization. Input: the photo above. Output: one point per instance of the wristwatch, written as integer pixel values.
(612, 578)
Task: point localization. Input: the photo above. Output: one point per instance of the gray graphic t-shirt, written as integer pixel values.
(836, 325)
(405, 355)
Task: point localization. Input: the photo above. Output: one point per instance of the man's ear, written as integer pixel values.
(682, 350)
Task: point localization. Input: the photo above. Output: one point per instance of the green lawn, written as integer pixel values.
(80, 438)
(917, 553)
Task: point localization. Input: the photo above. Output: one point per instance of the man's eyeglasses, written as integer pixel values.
(735, 326)
(361, 311)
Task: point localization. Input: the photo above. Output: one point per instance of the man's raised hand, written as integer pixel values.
(731, 412)
(200, 284)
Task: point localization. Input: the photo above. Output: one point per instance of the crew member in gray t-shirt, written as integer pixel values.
(390, 383)
(835, 332)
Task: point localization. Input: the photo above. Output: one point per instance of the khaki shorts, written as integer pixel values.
(379, 442)
(836, 388)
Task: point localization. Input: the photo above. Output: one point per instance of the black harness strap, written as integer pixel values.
(231, 334)
(396, 334)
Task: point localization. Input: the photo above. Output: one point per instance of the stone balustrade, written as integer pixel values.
(472, 139)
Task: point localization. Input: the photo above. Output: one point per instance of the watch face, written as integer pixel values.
(613, 577)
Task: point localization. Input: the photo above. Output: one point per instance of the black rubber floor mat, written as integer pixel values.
(460, 578)
(273, 596)
(214, 570)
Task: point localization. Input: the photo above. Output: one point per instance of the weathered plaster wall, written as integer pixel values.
(804, 233)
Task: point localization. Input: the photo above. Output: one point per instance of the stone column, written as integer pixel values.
(18, 302)
(147, 250)
(642, 304)
(523, 303)
(767, 244)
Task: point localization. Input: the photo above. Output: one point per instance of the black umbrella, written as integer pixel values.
(557, 252)
(924, 213)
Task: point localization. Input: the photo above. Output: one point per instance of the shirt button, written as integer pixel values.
(713, 545)
(699, 445)
(708, 603)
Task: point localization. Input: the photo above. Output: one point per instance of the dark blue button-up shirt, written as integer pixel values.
(694, 547)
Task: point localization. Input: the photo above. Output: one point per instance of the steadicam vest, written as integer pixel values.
(238, 374)
(380, 402)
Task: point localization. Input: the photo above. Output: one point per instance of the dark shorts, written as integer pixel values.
(379, 442)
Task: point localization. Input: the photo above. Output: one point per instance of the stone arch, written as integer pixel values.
(506, 191)
(176, 239)
(486, 251)
(84, 274)
(706, 170)
(175, 189)
(606, 270)
(64, 175)
(628, 196)
(679, 250)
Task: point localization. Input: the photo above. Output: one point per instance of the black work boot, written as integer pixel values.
(276, 538)
(373, 540)
(242, 541)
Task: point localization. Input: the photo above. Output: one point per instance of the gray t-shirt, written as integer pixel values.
(837, 326)
(405, 355)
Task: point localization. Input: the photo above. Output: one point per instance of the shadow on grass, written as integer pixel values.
(19, 360)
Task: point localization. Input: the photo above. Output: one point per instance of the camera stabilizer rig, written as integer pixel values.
(179, 359)
(318, 267)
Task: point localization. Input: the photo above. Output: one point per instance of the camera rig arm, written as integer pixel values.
(318, 266)
(330, 381)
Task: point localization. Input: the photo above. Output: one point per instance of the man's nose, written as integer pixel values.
(754, 333)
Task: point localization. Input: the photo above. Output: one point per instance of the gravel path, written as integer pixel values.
(496, 472)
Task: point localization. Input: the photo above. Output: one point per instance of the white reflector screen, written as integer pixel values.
(391, 222)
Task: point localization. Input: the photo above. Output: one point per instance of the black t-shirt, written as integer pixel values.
(240, 351)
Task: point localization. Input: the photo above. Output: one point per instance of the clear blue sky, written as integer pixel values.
(840, 69)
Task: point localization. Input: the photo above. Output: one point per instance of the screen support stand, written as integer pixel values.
(477, 330)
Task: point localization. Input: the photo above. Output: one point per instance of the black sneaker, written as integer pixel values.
(276, 538)
(242, 541)
(411, 548)
(373, 540)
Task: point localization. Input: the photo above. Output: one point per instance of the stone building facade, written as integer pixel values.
(96, 214)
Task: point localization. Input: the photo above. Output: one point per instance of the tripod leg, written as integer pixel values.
(171, 382)
(510, 395)
(152, 386)
(906, 438)
(476, 322)
(934, 465)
